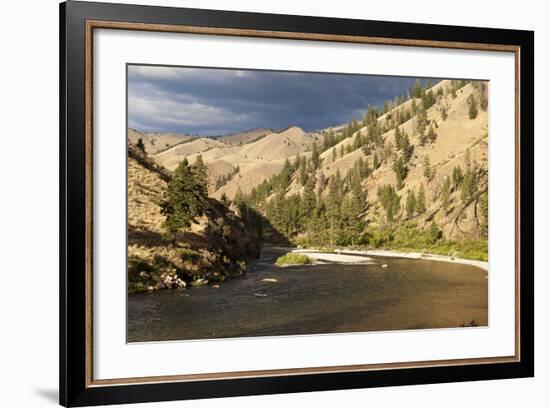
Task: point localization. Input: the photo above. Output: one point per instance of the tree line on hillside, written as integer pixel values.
(330, 210)
(334, 219)
(226, 178)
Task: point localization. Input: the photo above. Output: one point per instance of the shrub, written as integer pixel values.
(434, 234)
(293, 259)
(140, 145)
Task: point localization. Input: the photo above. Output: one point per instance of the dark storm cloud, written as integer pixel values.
(216, 101)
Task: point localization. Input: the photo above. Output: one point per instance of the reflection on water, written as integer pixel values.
(311, 299)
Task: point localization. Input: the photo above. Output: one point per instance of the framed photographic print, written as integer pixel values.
(255, 203)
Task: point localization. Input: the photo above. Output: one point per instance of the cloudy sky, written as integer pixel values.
(217, 101)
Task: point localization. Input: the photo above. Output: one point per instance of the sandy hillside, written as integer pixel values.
(155, 142)
(251, 174)
(456, 135)
(260, 160)
(172, 157)
(256, 161)
(228, 154)
(277, 146)
(145, 193)
(242, 138)
(218, 168)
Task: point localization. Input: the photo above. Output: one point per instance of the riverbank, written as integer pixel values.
(355, 256)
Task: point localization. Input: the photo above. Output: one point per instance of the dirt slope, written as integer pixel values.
(242, 138)
(172, 157)
(155, 142)
(277, 146)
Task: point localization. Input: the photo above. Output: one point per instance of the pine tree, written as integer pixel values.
(390, 200)
(398, 138)
(417, 89)
(358, 194)
(292, 215)
(322, 181)
(276, 213)
(200, 170)
(140, 145)
(328, 140)
(184, 198)
(309, 201)
(428, 171)
(352, 206)
(315, 156)
(334, 203)
(421, 200)
(457, 177)
(434, 233)
(445, 194)
(400, 172)
(358, 141)
(375, 162)
(414, 108)
(303, 173)
(309, 204)
(407, 148)
(297, 162)
(431, 134)
(468, 186)
(422, 122)
(224, 199)
(484, 215)
(333, 155)
(411, 203)
(444, 114)
(239, 198)
(428, 99)
(285, 176)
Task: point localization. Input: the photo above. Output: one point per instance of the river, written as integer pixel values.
(312, 299)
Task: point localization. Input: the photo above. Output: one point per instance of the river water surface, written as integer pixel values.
(311, 299)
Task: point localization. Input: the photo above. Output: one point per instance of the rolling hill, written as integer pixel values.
(249, 136)
(247, 164)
